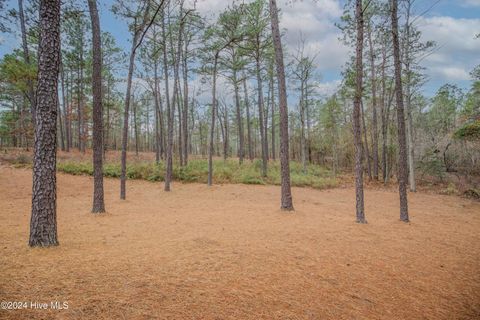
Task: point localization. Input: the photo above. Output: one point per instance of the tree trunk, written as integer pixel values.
(135, 129)
(263, 139)
(366, 149)
(169, 147)
(241, 146)
(272, 102)
(79, 105)
(65, 107)
(171, 113)
(123, 175)
(302, 126)
(249, 126)
(212, 124)
(384, 117)
(60, 123)
(408, 104)
(98, 200)
(156, 94)
(374, 106)
(185, 105)
(286, 195)
(360, 211)
(402, 141)
(43, 223)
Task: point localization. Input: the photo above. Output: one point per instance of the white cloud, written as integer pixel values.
(471, 3)
(328, 88)
(457, 49)
(450, 73)
(314, 21)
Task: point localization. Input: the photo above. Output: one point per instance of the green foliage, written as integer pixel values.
(15, 72)
(229, 171)
(431, 164)
(441, 116)
(7, 123)
(469, 131)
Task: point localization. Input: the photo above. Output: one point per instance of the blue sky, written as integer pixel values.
(450, 23)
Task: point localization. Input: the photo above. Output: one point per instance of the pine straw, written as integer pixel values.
(227, 252)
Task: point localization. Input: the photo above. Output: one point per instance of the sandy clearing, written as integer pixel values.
(228, 252)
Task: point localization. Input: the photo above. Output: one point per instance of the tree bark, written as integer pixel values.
(286, 194)
(98, 198)
(402, 141)
(43, 223)
(357, 134)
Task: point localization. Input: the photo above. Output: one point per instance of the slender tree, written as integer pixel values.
(98, 199)
(43, 223)
(286, 197)
(402, 140)
(360, 211)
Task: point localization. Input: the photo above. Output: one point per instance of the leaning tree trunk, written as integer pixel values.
(98, 201)
(286, 198)
(123, 175)
(402, 141)
(357, 134)
(43, 223)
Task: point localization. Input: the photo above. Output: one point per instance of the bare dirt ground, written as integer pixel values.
(228, 252)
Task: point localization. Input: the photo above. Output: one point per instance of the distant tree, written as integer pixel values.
(258, 41)
(26, 57)
(43, 223)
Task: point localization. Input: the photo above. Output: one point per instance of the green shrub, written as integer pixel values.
(224, 171)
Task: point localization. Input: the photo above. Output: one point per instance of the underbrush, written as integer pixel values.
(229, 171)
